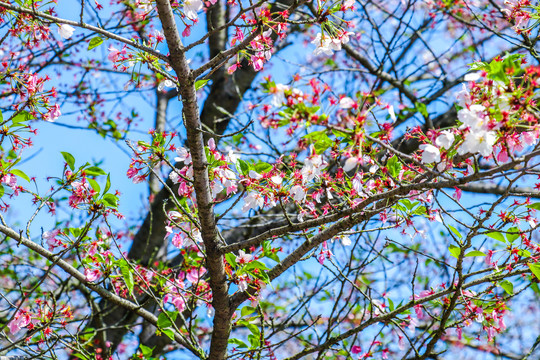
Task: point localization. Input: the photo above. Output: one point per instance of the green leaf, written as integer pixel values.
(262, 167)
(239, 343)
(76, 232)
(243, 166)
(127, 275)
(169, 332)
(95, 42)
(272, 255)
(94, 171)
(512, 237)
(80, 356)
(254, 341)
(199, 84)
(164, 321)
(474, 253)
(320, 139)
(255, 264)
(21, 117)
(254, 329)
(70, 160)
(263, 275)
(323, 143)
(20, 173)
(94, 185)
(480, 65)
(394, 166)
(146, 351)
(237, 138)
(111, 200)
(454, 251)
(454, 230)
(535, 269)
(524, 253)
(421, 108)
(535, 206)
(497, 236)
(507, 286)
(231, 259)
(107, 184)
(1, 116)
(535, 288)
(391, 306)
(338, 133)
(246, 310)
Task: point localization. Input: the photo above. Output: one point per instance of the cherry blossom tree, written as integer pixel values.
(329, 180)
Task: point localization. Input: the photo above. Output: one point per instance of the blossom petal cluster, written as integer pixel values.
(479, 138)
(326, 44)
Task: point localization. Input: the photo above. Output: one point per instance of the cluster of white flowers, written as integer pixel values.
(326, 45)
(279, 98)
(185, 157)
(253, 200)
(145, 6)
(312, 168)
(479, 138)
(224, 178)
(278, 92)
(432, 153)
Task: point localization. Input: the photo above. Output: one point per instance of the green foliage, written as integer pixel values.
(95, 42)
(500, 69)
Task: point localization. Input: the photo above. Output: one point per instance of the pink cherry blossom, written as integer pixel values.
(194, 274)
(21, 320)
(92, 274)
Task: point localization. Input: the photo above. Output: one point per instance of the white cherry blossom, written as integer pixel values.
(216, 188)
(183, 155)
(191, 8)
(346, 240)
(231, 156)
(472, 76)
(276, 179)
(298, 193)
(174, 177)
(473, 117)
(327, 45)
(463, 96)
(445, 139)
(350, 163)
(346, 103)
(478, 141)
(312, 168)
(278, 92)
(253, 200)
(254, 175)
(357, 185)
(430, 154)
(392, 113)
(243, 258)
(242, 283)
(66, 31)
